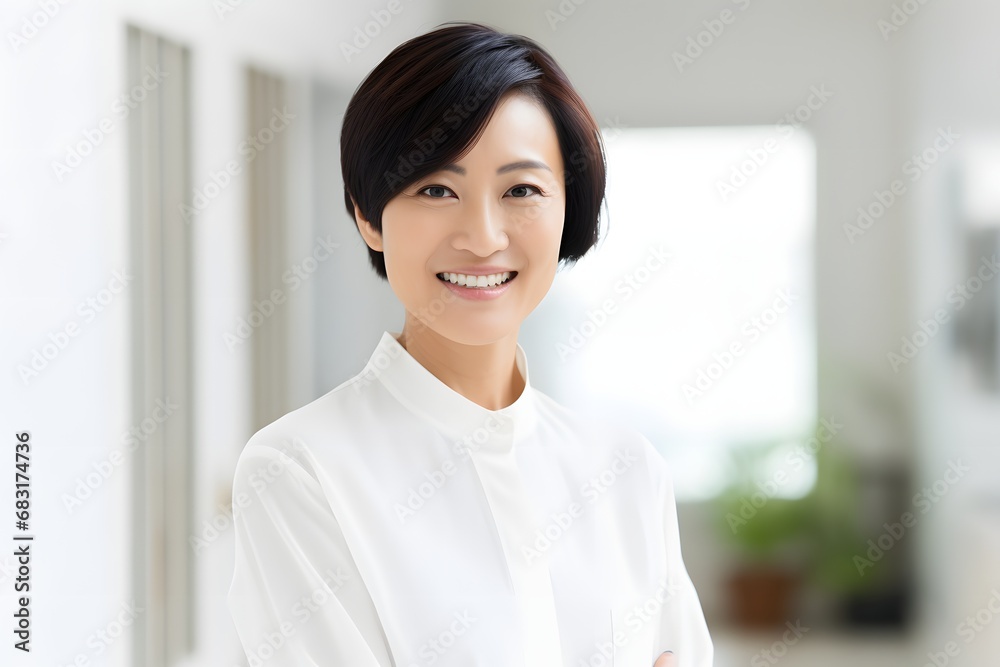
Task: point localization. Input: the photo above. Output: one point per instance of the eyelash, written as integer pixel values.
(444, 187)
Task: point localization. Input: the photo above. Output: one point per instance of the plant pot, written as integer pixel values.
(761, 596)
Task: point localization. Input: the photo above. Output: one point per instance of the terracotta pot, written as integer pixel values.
(761, 597)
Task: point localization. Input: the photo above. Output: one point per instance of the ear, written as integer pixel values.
(372, 237)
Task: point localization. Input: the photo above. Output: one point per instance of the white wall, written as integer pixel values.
(954, 48)
(60, 243)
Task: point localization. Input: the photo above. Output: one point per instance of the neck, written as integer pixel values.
(485, 374)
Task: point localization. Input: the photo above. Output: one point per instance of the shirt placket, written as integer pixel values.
(516, 520)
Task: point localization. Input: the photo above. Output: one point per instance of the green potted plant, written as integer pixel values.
(783, 543)
(768, 533)
(833, 530)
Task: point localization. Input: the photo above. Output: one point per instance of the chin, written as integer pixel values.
(476, 331)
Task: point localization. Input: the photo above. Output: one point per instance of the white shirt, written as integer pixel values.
(394, 522)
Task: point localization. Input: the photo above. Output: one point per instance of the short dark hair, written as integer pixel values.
(428, 102)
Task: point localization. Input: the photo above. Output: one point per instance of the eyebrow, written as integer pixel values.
(523, 164)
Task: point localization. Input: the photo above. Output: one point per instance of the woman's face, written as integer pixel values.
(491, 210)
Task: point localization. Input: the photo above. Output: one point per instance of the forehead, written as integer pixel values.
(519, 135)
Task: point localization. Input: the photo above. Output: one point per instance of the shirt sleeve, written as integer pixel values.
(682, 629)
(296, 597)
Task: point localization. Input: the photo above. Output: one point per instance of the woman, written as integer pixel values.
(436, 508)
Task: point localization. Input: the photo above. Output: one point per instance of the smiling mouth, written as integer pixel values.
(442, 278)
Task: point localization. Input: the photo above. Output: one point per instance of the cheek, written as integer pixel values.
(542, 228)
(543, 218)
(408, 242)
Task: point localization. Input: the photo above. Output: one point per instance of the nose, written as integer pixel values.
(483, 231)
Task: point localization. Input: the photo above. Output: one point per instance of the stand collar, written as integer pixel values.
(423, 393)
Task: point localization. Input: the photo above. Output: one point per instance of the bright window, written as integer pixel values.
(713, 347)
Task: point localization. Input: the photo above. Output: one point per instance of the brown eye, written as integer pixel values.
(522, 187)
(436, 188)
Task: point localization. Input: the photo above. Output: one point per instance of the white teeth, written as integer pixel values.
(476, 281)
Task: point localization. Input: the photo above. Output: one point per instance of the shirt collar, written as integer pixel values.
(452, 413)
